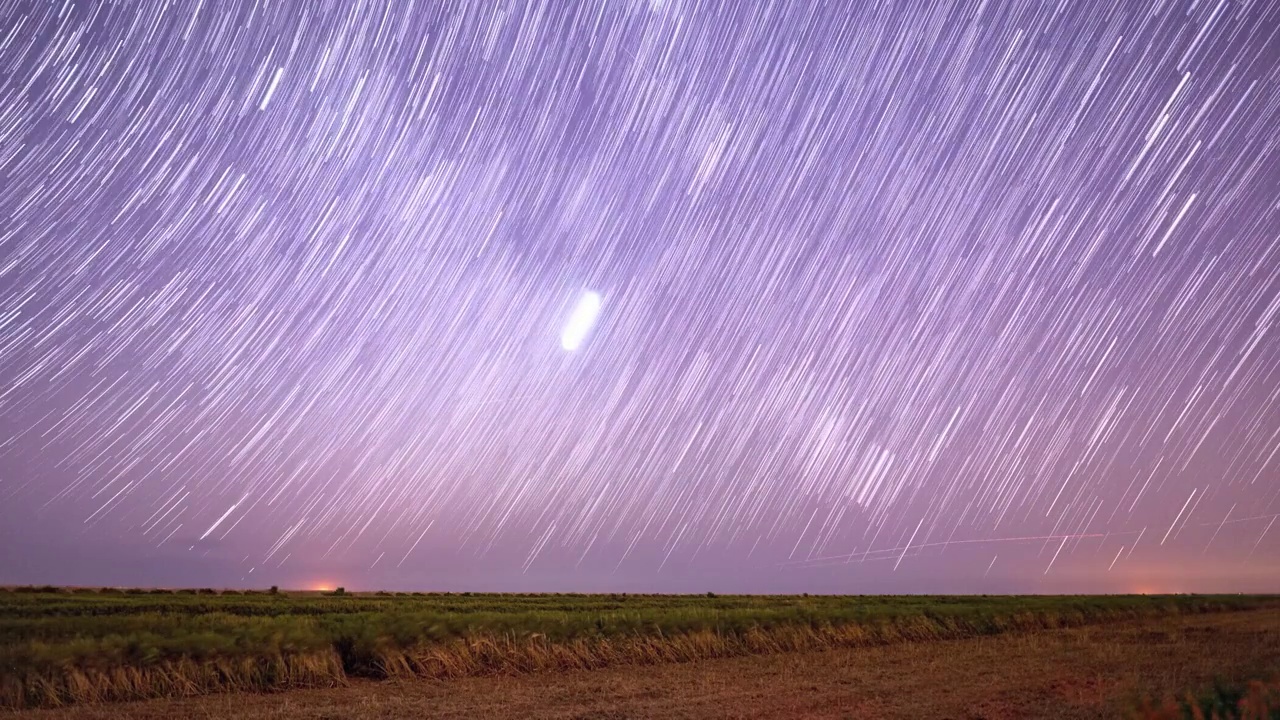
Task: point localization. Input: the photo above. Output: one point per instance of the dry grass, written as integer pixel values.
(1254, 700)
(509, 655)
(171, 678)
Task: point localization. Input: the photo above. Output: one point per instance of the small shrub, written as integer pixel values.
(38, 589)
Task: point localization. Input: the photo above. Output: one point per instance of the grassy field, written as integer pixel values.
(1105, 670)
(59, 647)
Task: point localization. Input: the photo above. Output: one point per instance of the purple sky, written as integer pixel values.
(892, 297)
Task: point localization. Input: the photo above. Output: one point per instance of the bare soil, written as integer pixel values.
(1092, 672)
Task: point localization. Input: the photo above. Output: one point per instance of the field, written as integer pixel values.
(1084, 673)
(66, 647)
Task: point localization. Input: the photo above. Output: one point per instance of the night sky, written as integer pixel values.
(641, 296)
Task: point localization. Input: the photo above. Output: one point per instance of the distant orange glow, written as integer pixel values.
(322, 587)
(1152, 590)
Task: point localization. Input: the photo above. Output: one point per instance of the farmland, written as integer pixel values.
(1109, 670)
(62, 647)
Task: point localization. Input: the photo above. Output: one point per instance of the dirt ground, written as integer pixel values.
(1095, 672)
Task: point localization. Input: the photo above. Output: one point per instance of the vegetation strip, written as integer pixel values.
(68, 647)
(1254, 700)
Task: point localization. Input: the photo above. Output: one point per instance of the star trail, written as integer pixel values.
(665, 295)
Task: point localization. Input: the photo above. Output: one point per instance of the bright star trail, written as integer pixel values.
(580, 323)
(289, 294)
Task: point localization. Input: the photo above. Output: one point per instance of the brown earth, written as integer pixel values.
(1093, 672)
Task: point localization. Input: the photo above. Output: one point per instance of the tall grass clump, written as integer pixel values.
(1255, 700)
